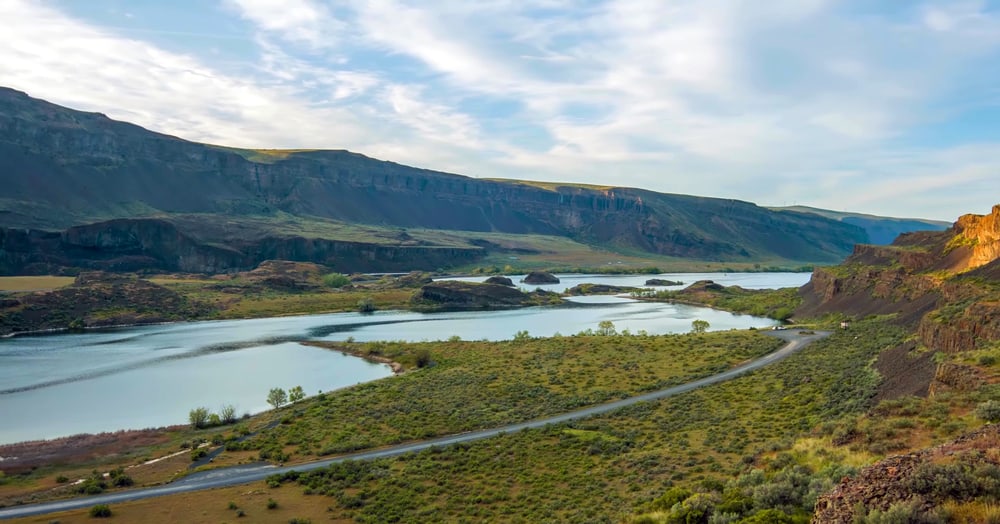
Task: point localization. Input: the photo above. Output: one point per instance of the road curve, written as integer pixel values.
(236, 475)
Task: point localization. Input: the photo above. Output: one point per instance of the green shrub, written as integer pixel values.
(907, 512)
(100, 511)
(336, 280)
(272, 504)
(365, 305)
(989, 411)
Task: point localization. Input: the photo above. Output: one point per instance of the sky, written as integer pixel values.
(889, 107)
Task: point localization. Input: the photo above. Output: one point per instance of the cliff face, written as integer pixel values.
(981, 234)
(944, 285)
(142, 244)
(66, 168)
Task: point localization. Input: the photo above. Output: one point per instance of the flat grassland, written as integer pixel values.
(35, 283)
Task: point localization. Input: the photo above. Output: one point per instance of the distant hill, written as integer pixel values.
(126, 195)
(881, 230)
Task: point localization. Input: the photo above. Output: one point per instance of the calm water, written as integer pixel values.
(58, 385)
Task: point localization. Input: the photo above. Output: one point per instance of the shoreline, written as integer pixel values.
(396, 367)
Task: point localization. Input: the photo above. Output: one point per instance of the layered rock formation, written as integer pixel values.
(66, 168)
(943, 285)
(142, 244)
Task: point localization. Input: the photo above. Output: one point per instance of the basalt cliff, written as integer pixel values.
(83, 189)
(943, 283)
(944, 287)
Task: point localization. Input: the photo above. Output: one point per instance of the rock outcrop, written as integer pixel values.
(936, 283)
(99, 299)
(159, 244)
(453, 294)
(500, 281)
(918, 478)
(540, 277)
(663, 282)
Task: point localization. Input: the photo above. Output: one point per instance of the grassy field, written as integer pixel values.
(469, 385)
(38, 283)
(610, 468)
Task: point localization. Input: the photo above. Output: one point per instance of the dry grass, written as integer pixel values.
(39, 283)
(210, 506)
(977, 511)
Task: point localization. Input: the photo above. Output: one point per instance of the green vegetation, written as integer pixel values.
(201, 417)
(778, 304)
(366, 305)
(336, 280)
(277, 397)
(198, 417)
(100, 511)
(989, 411)
(699, 326)
(474, 385)
(606, 467)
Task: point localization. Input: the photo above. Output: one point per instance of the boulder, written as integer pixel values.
(540, 277)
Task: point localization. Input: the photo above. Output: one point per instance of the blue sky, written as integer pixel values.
(887, 107)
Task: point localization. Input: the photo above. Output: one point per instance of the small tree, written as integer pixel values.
(296, 394)
(423, 358)
(606, 328)
(198, 417)
(228, 414)
(277, 397)
(699, 326)
(100, 511)
(365, 305)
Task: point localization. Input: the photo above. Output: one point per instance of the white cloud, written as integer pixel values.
(304, 21)
(786, 101)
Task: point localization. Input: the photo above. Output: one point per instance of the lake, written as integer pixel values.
(151, 376)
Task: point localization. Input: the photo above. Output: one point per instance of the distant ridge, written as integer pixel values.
(65, 168)
(881, 230)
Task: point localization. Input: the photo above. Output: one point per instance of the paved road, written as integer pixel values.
(236, 475)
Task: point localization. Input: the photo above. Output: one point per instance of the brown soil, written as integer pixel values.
(905, 371)
(78, 449)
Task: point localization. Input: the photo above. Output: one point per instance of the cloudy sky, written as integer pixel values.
(881, 106)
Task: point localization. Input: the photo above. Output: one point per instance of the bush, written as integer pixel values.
(899, 513)
(989, 411)
(423, 358)
(100, 511)
(272, 504)
(365, 305)
(336, 280)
